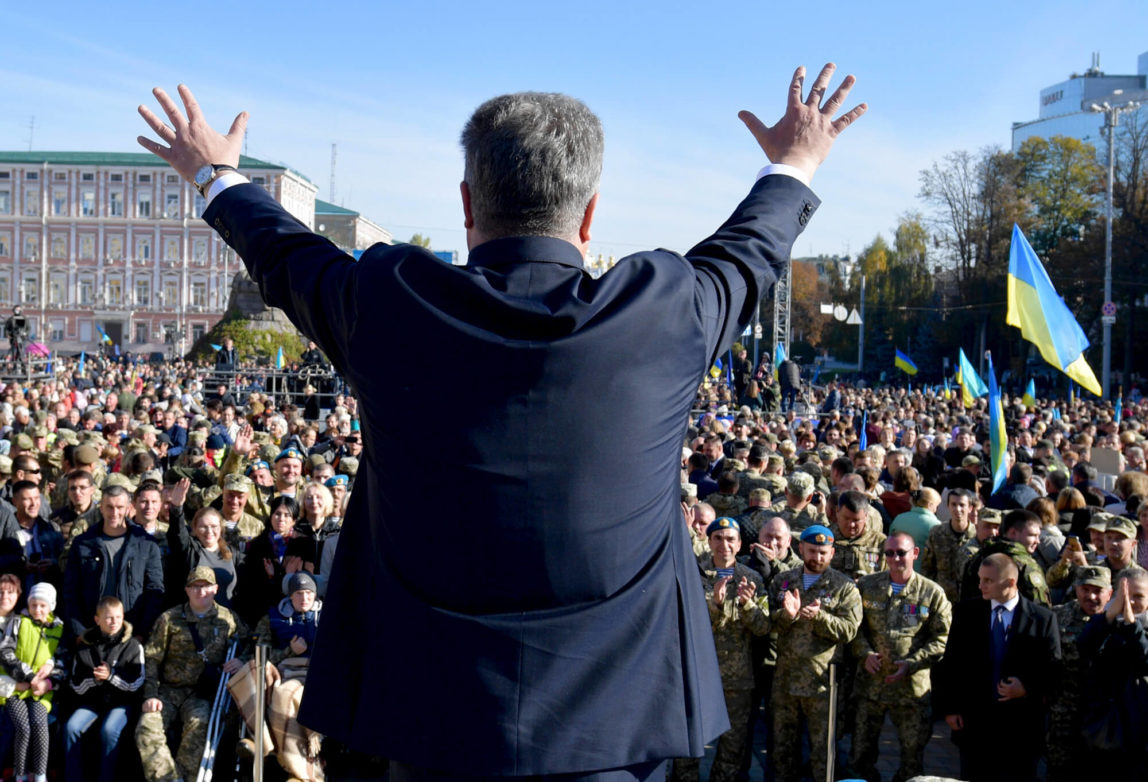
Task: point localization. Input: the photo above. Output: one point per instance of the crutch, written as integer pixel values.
(831, 750)
(260, 708)
(215, 721)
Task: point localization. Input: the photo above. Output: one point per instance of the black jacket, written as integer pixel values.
(123, 654)
(258, 593)
(139, 581)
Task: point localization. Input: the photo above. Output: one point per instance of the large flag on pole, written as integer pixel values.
(778, 357)
(904, 363)
(280, 362)
(972, 387)
(863, 440)
(1029, 397)
(1042, 316)
(1118, 410)
(998, 439)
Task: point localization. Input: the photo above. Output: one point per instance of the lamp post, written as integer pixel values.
(1111, 114)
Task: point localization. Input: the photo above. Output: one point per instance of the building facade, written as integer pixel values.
(96, 243)
(348, 229)
(1064, 106)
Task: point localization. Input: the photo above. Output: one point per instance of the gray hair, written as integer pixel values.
(533, 161)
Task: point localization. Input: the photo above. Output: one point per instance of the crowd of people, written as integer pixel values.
(857, 535)
(153, 530)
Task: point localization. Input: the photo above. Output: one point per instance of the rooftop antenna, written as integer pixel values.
(31, 132)
(331, 187)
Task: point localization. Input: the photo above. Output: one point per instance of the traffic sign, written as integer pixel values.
(1109, 308)
(1107, 320)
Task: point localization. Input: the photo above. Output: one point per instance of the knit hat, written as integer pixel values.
(300, 581)
(45, 593)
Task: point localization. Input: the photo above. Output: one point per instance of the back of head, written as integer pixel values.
(1016, 519)
(533, 161)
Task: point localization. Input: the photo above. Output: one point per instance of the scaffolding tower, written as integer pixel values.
(781, 311)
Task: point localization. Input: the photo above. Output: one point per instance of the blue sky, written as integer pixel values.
(393, 83)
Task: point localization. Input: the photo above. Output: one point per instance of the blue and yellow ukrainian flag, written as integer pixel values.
(778, 357)
(1042, 316)
(1029, 398)
(998, 438)
(1118, 410)
(904, 363)
(948, 390)
(280, 362)
(715, 370)
(972, 387)
(863, 440)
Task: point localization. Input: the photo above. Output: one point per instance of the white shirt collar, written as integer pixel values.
(1010, 605)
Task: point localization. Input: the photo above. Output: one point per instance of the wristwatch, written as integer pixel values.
(208, 174)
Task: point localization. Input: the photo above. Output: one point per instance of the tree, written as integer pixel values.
(1061, 179)
(420, 240)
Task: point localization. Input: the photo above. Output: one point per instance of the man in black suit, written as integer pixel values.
(563, 631)
(997, 671)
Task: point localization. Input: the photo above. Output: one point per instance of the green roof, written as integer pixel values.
(327, 208)
(109, 159)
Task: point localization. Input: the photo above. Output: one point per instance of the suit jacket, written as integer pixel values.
(563, 630)
(963, 682)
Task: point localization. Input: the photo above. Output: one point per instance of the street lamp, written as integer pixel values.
(1111, 112)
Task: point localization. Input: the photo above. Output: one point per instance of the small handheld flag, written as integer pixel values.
(905, 364)
(863, 441)
(1118, 410)
(778, 357)
(1029, 397)
(715, 370)
(280, 362)
(998, 439)
(972, 387)
(215, 347)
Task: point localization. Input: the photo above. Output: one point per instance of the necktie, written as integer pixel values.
(999, 640)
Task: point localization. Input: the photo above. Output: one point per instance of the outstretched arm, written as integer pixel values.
(191, 142)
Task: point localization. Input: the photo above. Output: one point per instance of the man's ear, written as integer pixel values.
(587, 218)
(467, 213)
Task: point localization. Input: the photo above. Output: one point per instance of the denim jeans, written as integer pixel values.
(114, 722)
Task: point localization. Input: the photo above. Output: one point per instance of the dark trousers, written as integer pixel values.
(650, 771)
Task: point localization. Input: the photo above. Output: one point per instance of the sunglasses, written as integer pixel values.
(897, 552)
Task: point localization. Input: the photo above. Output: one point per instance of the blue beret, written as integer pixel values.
(259, 465)
(818, 534)
(289, 453)
(336, 480)
(725, 522)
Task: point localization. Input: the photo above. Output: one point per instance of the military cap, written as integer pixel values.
(349, 465)
(737, 465)
(989, 516)
(760, 495)
(1093, 575)
(689, 490)
(828, 453)
(289, 453)
(118, 479)
(817, 534)
(23, 442)
(38, 431)
(143, 429)
(237, 482)
(198, 437)
(261, 438)
(67, 436)
(151, 476)
(201, 573)
(800, 484)
(971, 460)
(343, 480)
(300, 581)
(1099, 521)
(268, 452)
(163, 439)
(1122, 525)
(40, 416)
(770, 437)
(725, 522)
(256, 465)
(5, 465)
(86, 455)
(316, 460)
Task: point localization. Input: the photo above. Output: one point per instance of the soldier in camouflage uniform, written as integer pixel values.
(773, 476)
(1021, 535)
(815, 611)
(753, 517)
(904, 629)
(239, 526)
(185, 641)
(702, 516)
(1120, 549)
(859, 547)
(739, 610)
(798, 508)
(726, 501)
(939, 559)
(1066, 750)
(987, 525)
(752, 477)
(1076, 555)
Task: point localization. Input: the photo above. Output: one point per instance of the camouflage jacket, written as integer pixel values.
(170, 655)
(698, 542)
(805, 647)
(734, 626)
(1031, 581)
(750, 480)
(727, 504)
(911, 626)
(939, 559)
(1069, 684)
(861, 555)
(1063, 572)
(799, 520)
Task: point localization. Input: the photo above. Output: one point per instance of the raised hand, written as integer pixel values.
(791, 603)
(803, 136)
(192, 143)
(745, 591)
(719, 590)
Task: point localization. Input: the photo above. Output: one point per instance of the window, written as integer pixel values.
(56, 290)
(141, 333)
(29, 291)
(143, 248)
(60, 176)
(143, 205)
(85, 331)
(85, 292)
(5, 174)
(143, 178)
(115, 292)
(117, 177)
(88, 203)
(199, 294)
(258, 180)
(31, 247)
(88, 177)
(59, 201)
(87, 247)
(31, 201)
(200, 206)
(116, 248)
(171, 206)
(116, 204)
(143, 292)
(197, 331)
(5, 245)
(5, 202)
(57, 330)
(199, 251)
(59, 247)
(4, 288)
(32, 176)
(170, 292)
(172, 179)
(171, 248)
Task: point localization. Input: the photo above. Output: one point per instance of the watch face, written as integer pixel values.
(203, 175)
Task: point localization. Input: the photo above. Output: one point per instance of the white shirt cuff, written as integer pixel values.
(224, 181)
(782, 168)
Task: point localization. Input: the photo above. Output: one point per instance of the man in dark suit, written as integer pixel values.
(997, 671)
(564, 631)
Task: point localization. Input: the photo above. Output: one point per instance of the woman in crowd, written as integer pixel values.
(277, 553)
(200, 543)
(1051, 538)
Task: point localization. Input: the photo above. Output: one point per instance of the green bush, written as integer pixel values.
(251, 342)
